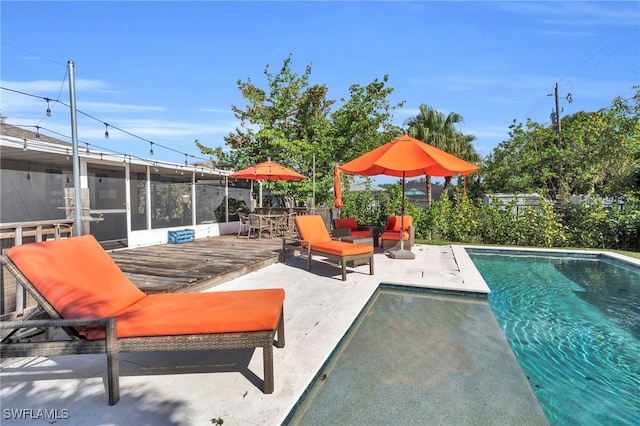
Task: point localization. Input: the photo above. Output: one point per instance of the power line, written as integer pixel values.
(34, 54)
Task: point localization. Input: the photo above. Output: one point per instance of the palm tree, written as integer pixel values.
(462, 147)
(432, 127)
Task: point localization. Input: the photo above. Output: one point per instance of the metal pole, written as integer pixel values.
(557, 114)
(77, 191)
(313, 194)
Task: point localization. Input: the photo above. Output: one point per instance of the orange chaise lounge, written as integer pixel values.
(315, 239)
(81, 289)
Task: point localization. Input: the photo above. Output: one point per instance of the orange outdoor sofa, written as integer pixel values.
(348, 226)
(315, 239)
(81, 289)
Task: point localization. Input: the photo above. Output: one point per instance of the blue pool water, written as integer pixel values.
(574, 325)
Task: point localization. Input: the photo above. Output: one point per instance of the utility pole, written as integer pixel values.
(557, 112)
(556, 115)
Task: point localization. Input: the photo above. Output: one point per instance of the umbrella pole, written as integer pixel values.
(402, 253)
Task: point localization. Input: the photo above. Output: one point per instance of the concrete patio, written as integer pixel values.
(191, 388)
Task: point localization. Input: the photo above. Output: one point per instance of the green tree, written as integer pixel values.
(294, 123)
(598, 153)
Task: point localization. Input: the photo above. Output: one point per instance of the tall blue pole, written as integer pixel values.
(76, 156)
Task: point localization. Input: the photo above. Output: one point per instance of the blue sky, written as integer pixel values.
(167, 71)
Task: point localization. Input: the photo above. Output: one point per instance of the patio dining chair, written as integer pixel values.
(244, 224)
(281, 224)
(259, 223)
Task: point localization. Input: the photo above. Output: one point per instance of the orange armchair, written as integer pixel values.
(390, 237)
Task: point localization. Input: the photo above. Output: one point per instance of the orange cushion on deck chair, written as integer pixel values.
(80, 280)
(312, 228)
(76, 276)
(341, 248)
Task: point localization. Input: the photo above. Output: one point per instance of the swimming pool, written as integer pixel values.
(414, 357)
(573, 322)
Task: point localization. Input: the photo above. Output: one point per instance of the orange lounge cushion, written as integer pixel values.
(393, 235)
(171, 314)
(395, 222)
(340, 248)
(347, 222)
(312, 228)
(76, 276)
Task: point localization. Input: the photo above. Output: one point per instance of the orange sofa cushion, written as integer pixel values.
(340, 248)
(312, 228)
(171, 314)
(362, 233)
(394, 235)
(347, 222)
(394, 223)
(76, 276)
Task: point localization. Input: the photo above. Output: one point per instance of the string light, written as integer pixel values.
(24, 147)
(87, 147)
(67, 153)
(151, 149)
(185, 159)
(107, 125)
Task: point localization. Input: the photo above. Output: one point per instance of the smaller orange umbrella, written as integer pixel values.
(268, 170)
(337, 188)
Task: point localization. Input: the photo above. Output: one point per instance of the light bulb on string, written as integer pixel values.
(106, 130)
(185, 159)
(67, 153)
(48, 107)
(37, 132)
(24, 147)
(151, 149)
(87, 147)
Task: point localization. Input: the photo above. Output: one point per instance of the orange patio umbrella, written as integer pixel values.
(268, 171)
(407, 157)
(337, 188)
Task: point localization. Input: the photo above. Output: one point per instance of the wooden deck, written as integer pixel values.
(197, 265)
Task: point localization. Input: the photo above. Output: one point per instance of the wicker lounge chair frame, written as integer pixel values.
(307, 247)
(112, 345)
